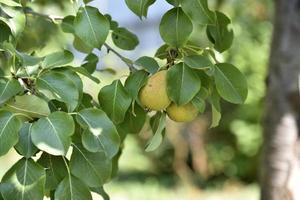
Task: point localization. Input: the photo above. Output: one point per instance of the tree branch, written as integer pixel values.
(127, 61)
(48, 17)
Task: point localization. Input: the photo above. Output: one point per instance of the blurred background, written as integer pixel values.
(194, 162)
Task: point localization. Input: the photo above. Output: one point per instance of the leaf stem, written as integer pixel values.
(127, 61)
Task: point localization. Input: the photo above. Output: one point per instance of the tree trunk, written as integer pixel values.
(280, 174)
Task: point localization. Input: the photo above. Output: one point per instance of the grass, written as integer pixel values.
(151, 190)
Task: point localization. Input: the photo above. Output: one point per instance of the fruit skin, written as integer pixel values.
(154, 94)
(184, 113)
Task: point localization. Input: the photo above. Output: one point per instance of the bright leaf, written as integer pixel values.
(198, 62)
(29, 105)
(94, 169)
(198, 11)
(91, 26)
(9, 128)
(134, 120)
(231, 83)
(100, 133)
(147, 63)
(58, 86)
(16, 20)
(56, 170)
(139, 7)
(24, 181)
(214, 100)
(135, 82)
(90, 63)
(52, 134)
(182, 84)
(9, 89)
(57, 59)
(174, 2)
(115, 101)
(25, 146)
(219, 33)
(156, 140)
(72, 188)
(124, 39)
(175, 27)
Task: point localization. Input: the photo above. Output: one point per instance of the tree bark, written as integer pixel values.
(280, 174)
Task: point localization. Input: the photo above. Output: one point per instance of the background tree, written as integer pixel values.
(280, 162)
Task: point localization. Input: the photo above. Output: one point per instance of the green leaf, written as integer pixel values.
(90, 63)
(79, 45)
(124, 39)
(52, 134)
(175, 27)
(27, 60)
(174, 2)
(29, 105)
(86, 102)
(67, 24)
(85, 73)
(9, 89)
(25, 146)
(157, 138)
(199, 103)
(94, 169)
(198, 11)
(100, 133)
(10, 3)
(16, 20)
(9, 128)
(115, 101)
(231, 83)
(182, 84)
(91, 26)
(55, 105)
(135, 82)
(216, 109)
(162, 52)
(148, 63)
(74, 77)
(56, 170)
(113, 24)
(102, 192)
(220, 34)
(58, 86)
(5, 32)
(198, 62)
(57, 59)
(24, 181)
(87, 1)
(139, 7)
(72, 188)
(134, 120)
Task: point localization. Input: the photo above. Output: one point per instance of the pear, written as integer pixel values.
(184, 113)
(154, 94)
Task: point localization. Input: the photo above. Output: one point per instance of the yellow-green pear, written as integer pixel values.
(154, 94)
(184, 113)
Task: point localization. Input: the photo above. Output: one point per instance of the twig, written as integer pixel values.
(49, 17)
(127, 61)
